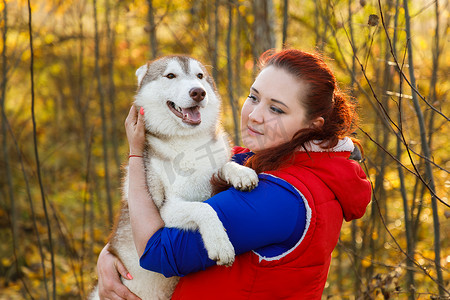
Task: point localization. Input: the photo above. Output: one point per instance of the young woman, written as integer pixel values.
(295, 124)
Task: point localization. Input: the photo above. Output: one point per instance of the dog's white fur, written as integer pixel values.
(180, 160)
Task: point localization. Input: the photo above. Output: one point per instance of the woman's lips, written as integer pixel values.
(253, 132)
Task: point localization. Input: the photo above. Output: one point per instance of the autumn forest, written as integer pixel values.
(68, 79)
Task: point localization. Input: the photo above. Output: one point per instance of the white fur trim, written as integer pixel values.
(308, 222)
(344, 145)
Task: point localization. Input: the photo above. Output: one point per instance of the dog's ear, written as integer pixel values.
(140, 73)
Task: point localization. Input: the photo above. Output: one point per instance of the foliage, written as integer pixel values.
(368, 262)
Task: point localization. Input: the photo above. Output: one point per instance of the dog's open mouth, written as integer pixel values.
(190, 115)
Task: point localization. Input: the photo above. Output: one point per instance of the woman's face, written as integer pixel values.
(273, 111)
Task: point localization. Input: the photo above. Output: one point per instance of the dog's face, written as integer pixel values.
(178, 96)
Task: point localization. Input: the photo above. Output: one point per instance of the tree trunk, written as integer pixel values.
(13, 210)
(356, 261)
(231, 92)
(6, 158)
(316, 23)
(326, 14)
(406, 209)
(436, 54)
(103, 116)
(215, 64)
(408, 227)
(264, 38)
(357, 265)
(85, 135)
(285, 22)
(152, 31)
(237, 57)
(426, 153)
(111, 90)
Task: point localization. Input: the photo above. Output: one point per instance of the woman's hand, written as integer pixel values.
(134, 126)
(109, 269)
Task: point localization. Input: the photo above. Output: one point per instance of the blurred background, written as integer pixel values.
(67, 88)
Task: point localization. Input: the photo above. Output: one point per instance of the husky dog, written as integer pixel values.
(185, 147)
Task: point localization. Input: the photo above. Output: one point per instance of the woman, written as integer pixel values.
(296, 124)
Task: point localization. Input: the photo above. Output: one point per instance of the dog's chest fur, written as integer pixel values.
(186, 171)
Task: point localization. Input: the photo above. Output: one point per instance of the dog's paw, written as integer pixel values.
(219, 248)
(242, 178)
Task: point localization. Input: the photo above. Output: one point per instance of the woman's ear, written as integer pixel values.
(317, 122)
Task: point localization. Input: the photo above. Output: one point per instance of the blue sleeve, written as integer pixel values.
(270, 220)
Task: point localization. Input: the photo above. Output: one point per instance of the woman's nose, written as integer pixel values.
(256, 115)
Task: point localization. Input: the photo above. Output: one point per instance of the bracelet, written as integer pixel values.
(132, 155)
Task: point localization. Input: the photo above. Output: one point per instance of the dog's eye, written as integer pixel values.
(171, 76)
(200, 75)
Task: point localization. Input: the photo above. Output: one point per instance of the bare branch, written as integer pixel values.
(36, 154)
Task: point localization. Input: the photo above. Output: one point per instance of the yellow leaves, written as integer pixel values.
(120, 29)
(63, 7)
(6, 261)
(97, 248)
(426, 215)
(243, 10)
(32, 255)
(55, 69)
(424, 44)
(98, 233)
(49, 38)
(3, 214)
(374, 235)
(31, 274)
(251, 19)
(139, 52)
(249, 64)
(366, 261)
(101, 172)
(20, 3)
(428, 253)
(11, 292)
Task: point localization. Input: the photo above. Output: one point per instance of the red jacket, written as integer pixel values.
(334, 188)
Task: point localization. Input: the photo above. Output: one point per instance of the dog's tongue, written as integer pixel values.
(191, 115)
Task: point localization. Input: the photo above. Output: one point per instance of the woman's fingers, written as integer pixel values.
(122, 270)
(114, 289)
(140, 121)
(123, 292)
(112, 297)
(110, 285)
(132, 114)
(135, 130)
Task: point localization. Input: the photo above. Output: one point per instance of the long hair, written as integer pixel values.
(324, 99)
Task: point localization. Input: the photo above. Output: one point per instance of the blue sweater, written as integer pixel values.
(268, 220)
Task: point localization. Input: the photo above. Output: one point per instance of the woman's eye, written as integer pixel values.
(276, 110)
(200, 76)
(253, 98)
(171, 76)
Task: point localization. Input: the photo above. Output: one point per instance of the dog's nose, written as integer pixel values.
(197, 94)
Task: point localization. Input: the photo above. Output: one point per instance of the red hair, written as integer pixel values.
(324, 99)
